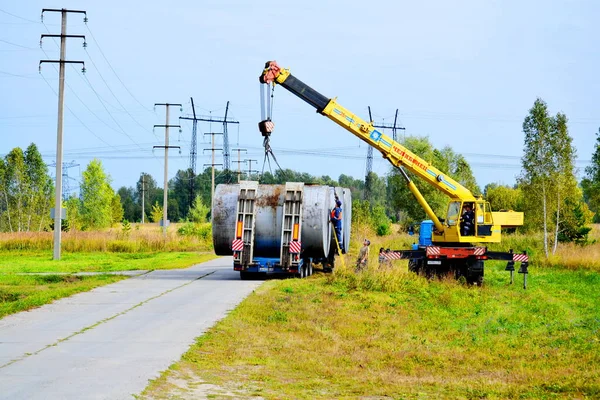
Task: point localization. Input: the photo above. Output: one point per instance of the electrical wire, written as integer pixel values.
(16, 16)
(18, 75)
(118, 101)
(17, 45)
(115, 72)
(93, 113)
(122, 131)
(74, 115)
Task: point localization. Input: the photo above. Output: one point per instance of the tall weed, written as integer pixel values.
(148, 238)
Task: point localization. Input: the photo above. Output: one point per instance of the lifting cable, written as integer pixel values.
(269, 102)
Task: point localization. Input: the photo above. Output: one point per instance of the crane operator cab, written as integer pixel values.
(470, 218)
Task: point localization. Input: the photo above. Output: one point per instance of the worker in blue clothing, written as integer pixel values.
(336, 220)
(467, 221)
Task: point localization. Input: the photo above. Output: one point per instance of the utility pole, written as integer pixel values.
(143, 197)
(212, 165)
(239, 162)
(61, 100)
(250, 170)
(166, 147)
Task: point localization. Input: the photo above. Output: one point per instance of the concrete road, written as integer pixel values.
(107, 343)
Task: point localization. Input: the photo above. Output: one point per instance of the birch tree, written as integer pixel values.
(96, 197)
(39, 190)
(551, 198)
(16, 183)
(537, 168)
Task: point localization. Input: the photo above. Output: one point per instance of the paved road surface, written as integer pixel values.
(107, 343)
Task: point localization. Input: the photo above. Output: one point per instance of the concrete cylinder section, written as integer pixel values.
(316, 229)
(345, 196)
(317, 202)
(224, 218)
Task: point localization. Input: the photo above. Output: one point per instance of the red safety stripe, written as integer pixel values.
(433, 251)
(392, 255)
(479, 251)
(237, 245)
(521, 257)
(295, 247)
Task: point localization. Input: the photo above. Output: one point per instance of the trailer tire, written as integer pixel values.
(310, 268)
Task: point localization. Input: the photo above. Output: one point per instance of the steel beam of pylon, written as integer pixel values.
(194, 140)
(225, 141)
(66, 179)
(225, 121)
(193, 155)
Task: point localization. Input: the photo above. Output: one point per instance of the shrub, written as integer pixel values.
(201, 231)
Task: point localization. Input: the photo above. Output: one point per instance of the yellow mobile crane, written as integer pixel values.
(449, 247)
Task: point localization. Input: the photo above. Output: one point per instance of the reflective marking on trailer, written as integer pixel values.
(434, 262)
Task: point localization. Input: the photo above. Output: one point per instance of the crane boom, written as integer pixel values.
(401, 157)
(391, 150)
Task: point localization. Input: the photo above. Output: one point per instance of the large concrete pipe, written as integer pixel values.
(316, 229)
(345, 196)
(224, 217)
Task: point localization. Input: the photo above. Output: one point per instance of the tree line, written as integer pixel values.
(547, 189)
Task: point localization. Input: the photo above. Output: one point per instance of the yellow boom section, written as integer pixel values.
(395, 152)
(391, 150)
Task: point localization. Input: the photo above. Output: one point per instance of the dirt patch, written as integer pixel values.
(187, 389)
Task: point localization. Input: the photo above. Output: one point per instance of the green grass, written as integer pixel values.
(41, 261)
(390, 333)
(24, 292)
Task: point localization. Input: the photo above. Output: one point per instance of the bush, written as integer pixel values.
(201, 231)
(383, 229)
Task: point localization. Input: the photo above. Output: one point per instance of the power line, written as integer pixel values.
(85, 105)
(122, 131)
(116, 98)
(87, 82)
(16, 16)
(17, 45)
(111, 116)
(115, 72)
(75, 115)
(17, 75)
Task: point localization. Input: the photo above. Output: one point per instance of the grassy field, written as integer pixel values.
(41, 261)
(141, 238)
(391, 334)
(143, 248)
(23, 292)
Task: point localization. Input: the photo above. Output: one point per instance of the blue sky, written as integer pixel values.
(462, 73)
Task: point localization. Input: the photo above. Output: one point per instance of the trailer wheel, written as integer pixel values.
(310, 268)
